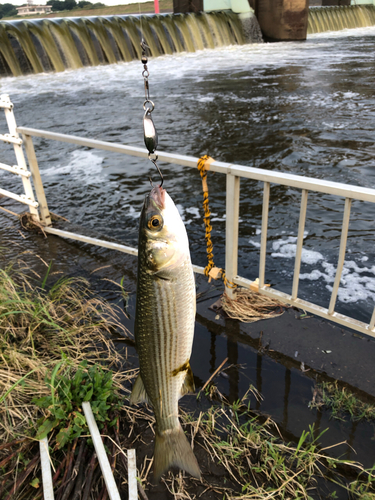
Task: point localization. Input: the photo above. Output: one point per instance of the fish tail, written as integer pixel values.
(173, 449)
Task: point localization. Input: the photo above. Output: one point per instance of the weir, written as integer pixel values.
(338, 18)
(39, 45)
(44, 45)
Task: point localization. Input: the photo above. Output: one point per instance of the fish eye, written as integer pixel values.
(155, 222)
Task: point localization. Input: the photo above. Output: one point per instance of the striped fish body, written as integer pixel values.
(164, 327)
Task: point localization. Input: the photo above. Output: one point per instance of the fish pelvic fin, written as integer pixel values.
(173, 449)
(188, 386)
(139, 394)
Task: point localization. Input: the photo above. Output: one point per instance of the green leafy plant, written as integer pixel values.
(64, 403)
(341, 402)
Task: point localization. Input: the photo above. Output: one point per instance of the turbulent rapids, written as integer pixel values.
(40, 45)
(45, 45)
(339, 18)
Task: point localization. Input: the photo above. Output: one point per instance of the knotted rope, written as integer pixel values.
(210, 270)
(248, 305)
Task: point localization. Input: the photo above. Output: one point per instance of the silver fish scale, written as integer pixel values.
(164, 331)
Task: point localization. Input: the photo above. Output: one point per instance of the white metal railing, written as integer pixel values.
(234, 174)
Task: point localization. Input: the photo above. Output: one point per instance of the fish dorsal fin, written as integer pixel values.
(139, 394)
(188, 385)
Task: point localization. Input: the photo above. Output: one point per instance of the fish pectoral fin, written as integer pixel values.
(139, 394)
(188, 385)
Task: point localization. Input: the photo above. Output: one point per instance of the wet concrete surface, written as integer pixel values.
(304, 341)
(267, 354)
(307, 342)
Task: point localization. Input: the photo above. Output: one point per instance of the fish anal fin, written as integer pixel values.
(139, 394)
(188, 386)
(172, 449)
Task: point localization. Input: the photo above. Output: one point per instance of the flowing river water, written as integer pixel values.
(303, 108)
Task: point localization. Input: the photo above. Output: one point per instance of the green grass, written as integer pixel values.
(41, 326)
(341, 402)
(56, 351)
(262, 465)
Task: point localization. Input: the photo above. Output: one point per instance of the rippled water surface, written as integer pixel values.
(304, 108)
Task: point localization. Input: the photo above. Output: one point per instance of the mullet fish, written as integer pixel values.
(164, 327)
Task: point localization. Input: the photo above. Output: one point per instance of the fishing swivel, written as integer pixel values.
(149, 130)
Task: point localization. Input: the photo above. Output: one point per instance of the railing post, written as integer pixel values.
(340, 263)
(21, 162)
(263, 240)
(372, 321)
(301, 230)
(231, 230)
(37, 180)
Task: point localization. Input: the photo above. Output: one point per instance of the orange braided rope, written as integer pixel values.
(203, 166)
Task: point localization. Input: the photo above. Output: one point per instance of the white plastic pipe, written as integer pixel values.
(132, 475)
(46, 470)
(100, 452)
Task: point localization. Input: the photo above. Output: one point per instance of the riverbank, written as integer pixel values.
(165, 6)
(226, 422)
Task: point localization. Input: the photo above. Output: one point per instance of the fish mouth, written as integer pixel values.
(157, 195)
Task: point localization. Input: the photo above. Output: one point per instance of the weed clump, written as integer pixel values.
(55, 352)
(63, 407)
(341, 402)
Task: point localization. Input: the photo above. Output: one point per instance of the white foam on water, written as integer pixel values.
(199, 65)
(256, 244)
(357, 283)
(85, 167)
(220, 219)
(181, 211)
(357, 280)
(132, 212)
(289, 250)
(194, 211)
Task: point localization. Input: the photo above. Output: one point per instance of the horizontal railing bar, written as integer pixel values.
(102, 243)
(15, 169)
(310, 307)
(308, 183)
(328, 187)
(21, 199)
(92, 241)
(9, 138)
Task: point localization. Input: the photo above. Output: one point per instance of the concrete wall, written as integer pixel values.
(237, 6)
(187, 6)
(320, 3)
(282, 19)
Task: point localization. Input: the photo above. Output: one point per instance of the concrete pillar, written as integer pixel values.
(282, 19)
(187, 6)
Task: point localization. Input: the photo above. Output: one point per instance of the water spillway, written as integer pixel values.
(43, 45)
(338, 18)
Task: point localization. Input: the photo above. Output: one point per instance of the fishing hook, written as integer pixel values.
(157, 168)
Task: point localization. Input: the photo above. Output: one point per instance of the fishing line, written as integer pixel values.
(149, 130)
